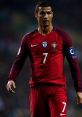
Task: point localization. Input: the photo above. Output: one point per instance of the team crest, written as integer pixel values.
(44, 44)
(54, 45)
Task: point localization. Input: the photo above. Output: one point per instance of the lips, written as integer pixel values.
(45, 21)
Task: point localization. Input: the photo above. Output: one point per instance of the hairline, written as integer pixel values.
(45, 5)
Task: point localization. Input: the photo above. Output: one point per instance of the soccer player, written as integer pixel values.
(47, 47)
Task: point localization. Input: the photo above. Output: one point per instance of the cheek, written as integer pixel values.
(40, 19)
(51, 17)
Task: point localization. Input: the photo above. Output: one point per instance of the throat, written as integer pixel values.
(45, 30)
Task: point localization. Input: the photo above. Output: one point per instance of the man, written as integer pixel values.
(47, 47)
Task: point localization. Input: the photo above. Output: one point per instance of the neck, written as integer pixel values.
(45, 30)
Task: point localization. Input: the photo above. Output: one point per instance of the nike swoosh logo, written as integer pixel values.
(34, 45)
(61, 114)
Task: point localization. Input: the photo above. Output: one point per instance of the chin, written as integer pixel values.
(45, 26)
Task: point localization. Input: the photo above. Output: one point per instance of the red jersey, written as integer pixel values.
(47, 53)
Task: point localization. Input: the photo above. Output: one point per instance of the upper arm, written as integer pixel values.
(68, 48)
(23, 49)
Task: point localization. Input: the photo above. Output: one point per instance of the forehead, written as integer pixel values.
(44, 9)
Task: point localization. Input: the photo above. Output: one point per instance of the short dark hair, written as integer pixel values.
(44, 4)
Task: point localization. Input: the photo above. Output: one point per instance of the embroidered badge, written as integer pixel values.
(44, 44)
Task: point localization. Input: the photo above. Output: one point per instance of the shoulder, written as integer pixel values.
(60, 31)
(28, 35)
(65, 35)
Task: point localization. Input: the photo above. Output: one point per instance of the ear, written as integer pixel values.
(52, 14)
(35, 14)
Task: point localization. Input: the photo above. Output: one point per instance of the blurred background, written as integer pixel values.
(17, 18)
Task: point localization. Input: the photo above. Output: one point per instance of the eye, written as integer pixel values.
(42, 13)
(48, 13)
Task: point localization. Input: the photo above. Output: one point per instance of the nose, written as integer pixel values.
(46, 15)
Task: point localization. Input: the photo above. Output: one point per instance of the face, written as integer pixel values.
(44, 16)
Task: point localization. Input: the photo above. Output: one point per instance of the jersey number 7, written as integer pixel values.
(45, 57)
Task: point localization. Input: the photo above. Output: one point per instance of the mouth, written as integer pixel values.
(45, 21)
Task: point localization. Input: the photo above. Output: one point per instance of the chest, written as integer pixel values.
(51, 43)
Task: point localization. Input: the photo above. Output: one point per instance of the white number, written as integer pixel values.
(64, 103)
(45, 56)
(63, 110)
